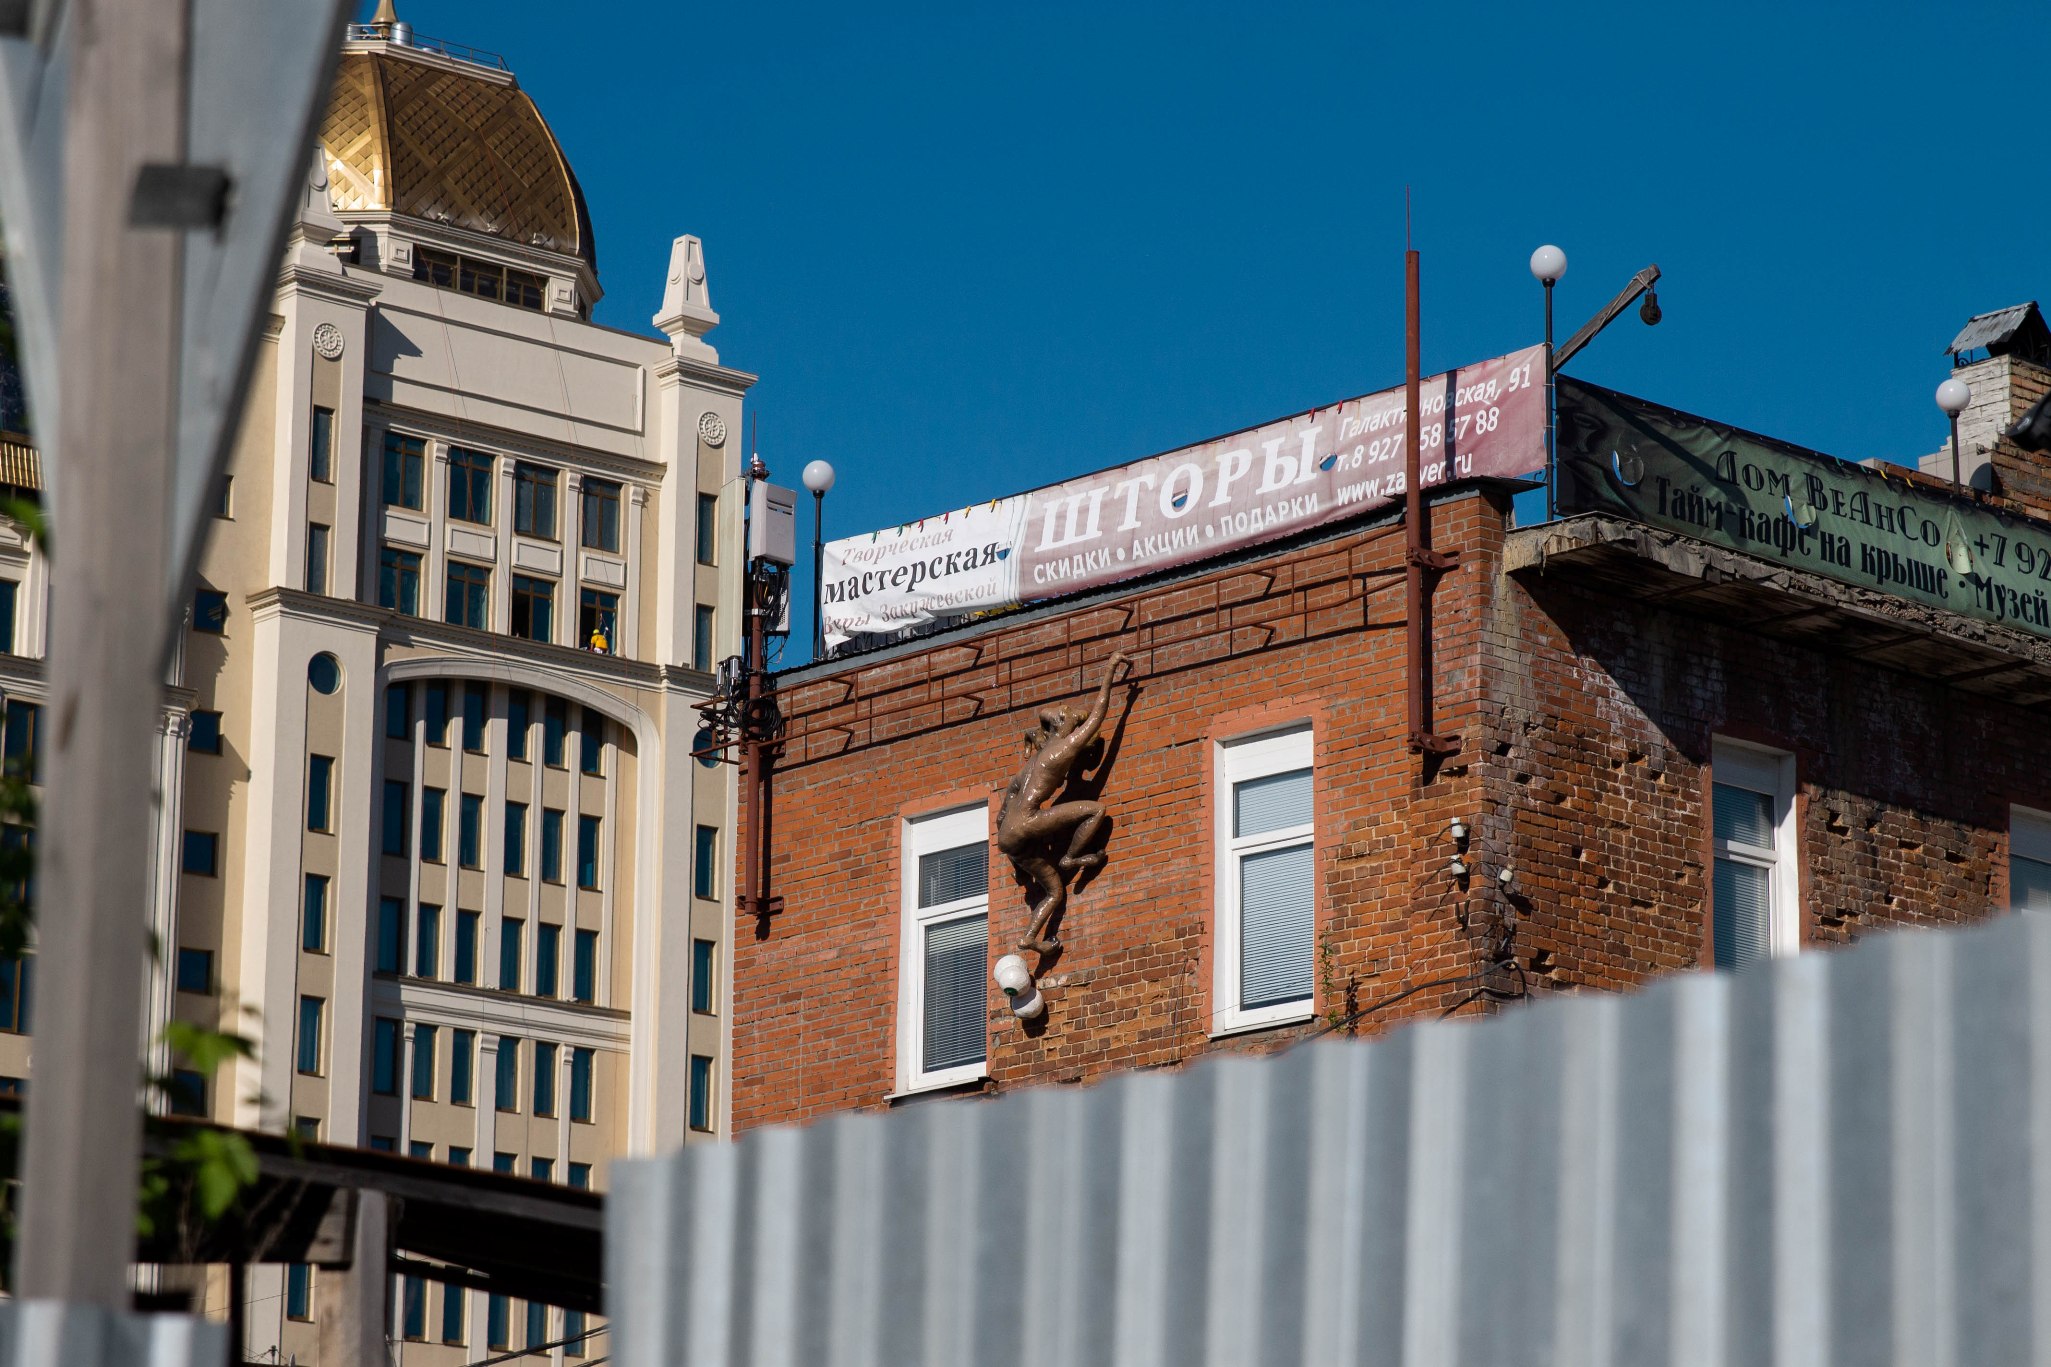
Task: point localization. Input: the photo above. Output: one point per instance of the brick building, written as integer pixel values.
(1724, 722)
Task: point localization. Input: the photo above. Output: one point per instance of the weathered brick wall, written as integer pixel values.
(1586, 722)
(1315, 633)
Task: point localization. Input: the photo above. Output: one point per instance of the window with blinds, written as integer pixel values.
(1266, 935)
(2029, 860)
(943, 1014)
(1753, 885)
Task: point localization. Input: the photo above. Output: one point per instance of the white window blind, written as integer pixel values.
(943, 1006)
(1266, 941)
(1754, 882)
(2029, 860)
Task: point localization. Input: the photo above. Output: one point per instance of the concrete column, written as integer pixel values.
(628, 629)
(173, 729)
(502, 563)
(436, 566)
(354, 1303)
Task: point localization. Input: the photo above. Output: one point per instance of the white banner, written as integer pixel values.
(937, 568)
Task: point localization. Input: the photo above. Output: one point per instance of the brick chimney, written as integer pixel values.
(2005, 357)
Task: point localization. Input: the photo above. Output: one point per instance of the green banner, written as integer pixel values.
(1625, 457)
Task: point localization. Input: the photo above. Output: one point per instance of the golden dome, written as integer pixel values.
(422, 136)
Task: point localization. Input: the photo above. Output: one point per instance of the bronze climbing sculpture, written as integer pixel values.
(1048, 847)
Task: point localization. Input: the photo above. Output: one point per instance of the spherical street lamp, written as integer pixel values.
(1953, 396)
(1548, 264)
(819, 477)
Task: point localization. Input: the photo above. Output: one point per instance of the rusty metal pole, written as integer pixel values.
(1418, 556)
(753, 750)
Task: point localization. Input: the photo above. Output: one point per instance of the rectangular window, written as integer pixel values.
(701, 639)
(459, 1156)
(437, 713)
(196, 970)
(313, 917)
(548, 947)
(469, 598)
(16, 978)
(587, 852)
(584, 967)
(316, 558)
(394, 814)
(516, 840)
(384, 1057)
(507, 1080)
(708, 529)
(320, 789)
(427, 941)
(432, 801)
(580, 1085)
(204, 737)
(544, 1078)
(946, 947)
(210, 611)
(203, 853)
(398, 580)
(534, 500)
(22, 749)
(537, 1324)
(509, 954)
(2029, 860)
(701, 1088)
(504, 1162)
(518, 704)
(9, 591)
(405, 463)
(470, 832)
(466, 948)
(476, 704)
(453, 1298)
(320, 447)
(391, 935)
(580, 1176)
(224, 497)
(544, 1170)
(555, 723)
(299, 1291)
(413, 1303)
(705, 878)
(187, 1093)
(573, 1327)
(307, 1127)
(701, 976)
(533, 608)
(383, 1143)
(399, 711)
(591, 743)
(1755, 894)
(598, 620)
(462, 1053)
(497, 1322)
(420, 1148)
(310, 1010)
(469, 485)
(601, 515)
(551, 845)
(423, 1062)
(1266, 880)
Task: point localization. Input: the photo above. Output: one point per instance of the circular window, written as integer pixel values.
(701, 746)
(324, 672)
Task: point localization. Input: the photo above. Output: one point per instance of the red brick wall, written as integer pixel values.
(1585, 723)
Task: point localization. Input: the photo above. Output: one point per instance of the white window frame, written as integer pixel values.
(924, 835)
(1761, 769)
(2029, 837)
(1238, 760)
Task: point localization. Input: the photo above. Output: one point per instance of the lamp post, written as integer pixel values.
(1953, 396)
(1548, 264)
(818, 478)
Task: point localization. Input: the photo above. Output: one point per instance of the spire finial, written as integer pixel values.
(387, 14)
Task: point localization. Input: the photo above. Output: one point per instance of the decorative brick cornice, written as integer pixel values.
(722, 379)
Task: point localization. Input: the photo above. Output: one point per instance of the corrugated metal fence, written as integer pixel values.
(51, 1334)
(1838, 1158)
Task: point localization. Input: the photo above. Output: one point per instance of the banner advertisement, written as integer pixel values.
(1628, 458)
(1187, 505)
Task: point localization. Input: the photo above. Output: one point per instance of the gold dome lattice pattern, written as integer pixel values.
(416, 138)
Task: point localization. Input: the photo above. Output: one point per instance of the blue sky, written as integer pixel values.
(975, 248)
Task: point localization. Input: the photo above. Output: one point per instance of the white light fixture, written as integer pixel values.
(1548, 264)
(1458, 868)
(1953, 396)
(1458, 830)
(1015, 980)
(1506, 876)
(818, 476)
